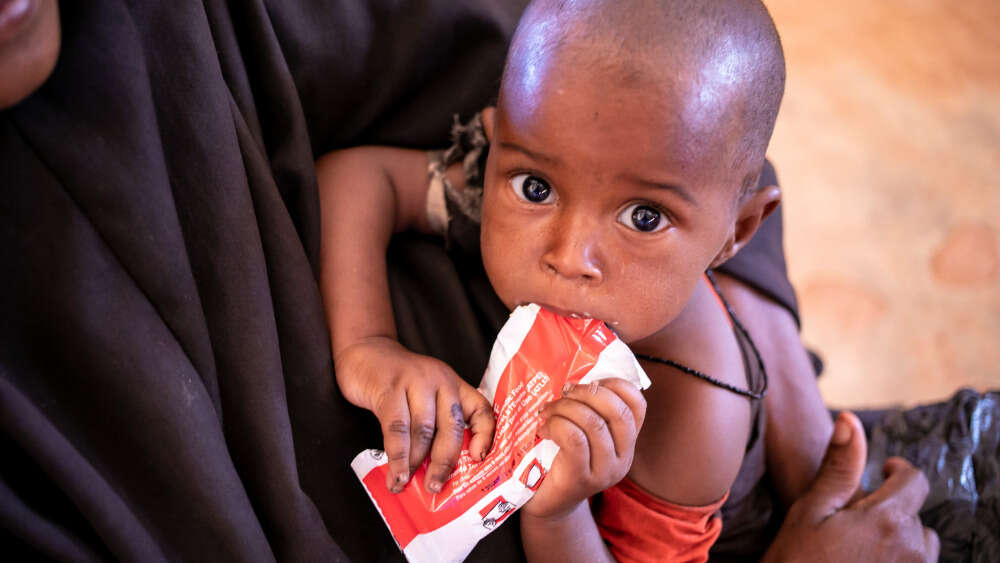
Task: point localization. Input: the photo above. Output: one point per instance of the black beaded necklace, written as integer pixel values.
(700, 375)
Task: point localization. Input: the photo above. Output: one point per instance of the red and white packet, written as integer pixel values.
(535, 354)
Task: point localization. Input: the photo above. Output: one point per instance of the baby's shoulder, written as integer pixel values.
(695, 431)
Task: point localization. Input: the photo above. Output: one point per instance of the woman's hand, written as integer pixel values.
(595, 426)
(833, 523)
(421, 404)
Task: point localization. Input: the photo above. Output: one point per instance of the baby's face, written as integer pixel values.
(604, 200)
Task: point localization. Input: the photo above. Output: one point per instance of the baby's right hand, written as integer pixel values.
(421, 404)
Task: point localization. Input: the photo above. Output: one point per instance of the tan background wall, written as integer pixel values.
(888, 148)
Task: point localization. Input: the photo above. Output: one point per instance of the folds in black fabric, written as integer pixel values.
(164, 360)
(957, 445)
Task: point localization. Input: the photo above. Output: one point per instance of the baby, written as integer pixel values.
(623, 161)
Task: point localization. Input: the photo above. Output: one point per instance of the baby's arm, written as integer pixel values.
(694, 444)
(798, 424)
(595, 426)
(367, 194)
(687, 454)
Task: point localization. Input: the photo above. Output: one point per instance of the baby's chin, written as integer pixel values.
(626, 332)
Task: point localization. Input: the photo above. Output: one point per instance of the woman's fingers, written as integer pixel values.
(933, 545)
(904, 490)
(840, 472)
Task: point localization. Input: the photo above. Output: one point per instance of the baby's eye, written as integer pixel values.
(643, 218)
(532, 189)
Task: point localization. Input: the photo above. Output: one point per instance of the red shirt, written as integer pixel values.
(638, 526)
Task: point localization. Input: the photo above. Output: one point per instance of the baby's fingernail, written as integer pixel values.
(567, 388)
(400, 482)
(434, 486)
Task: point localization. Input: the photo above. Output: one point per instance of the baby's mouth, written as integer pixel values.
(564, 312)
(613, 325)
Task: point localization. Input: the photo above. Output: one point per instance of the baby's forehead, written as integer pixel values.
(682, 99)
(680, 74)
(719, 58)
(583, 127)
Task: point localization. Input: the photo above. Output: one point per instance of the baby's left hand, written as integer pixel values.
(595, 426)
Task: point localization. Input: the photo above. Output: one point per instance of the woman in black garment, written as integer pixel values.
(123, 433)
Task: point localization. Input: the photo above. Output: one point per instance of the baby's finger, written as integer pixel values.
(394, 417)
(574, 448)
(630, 395)
(479, 412)
(596, 435)
(612, 409)
(448, 439)
(422, 402)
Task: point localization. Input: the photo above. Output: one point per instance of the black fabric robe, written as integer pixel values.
(166, 388)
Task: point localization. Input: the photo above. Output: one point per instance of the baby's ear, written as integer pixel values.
(755, 206)
(489, 116)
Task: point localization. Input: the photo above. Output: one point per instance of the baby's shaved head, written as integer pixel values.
(721, 58)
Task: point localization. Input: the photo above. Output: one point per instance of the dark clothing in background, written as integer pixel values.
(166, 387)
(761, 264)
(957, 445)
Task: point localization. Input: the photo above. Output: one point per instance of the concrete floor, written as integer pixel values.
(888, 148)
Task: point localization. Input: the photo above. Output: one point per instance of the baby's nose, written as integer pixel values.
(573, 253)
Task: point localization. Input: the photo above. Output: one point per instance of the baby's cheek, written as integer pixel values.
(649, 303)
(641, 325)
(496, 261)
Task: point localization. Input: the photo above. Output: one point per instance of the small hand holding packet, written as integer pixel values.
(536, 353)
